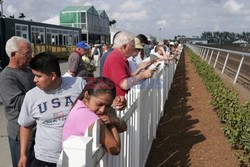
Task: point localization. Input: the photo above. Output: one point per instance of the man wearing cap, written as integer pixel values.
(134, 66)
(75, 63)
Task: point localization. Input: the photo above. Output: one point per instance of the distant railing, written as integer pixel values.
(221, 57)
(145, 107)
(61, 52)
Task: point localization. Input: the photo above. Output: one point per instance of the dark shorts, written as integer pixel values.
(38, 163)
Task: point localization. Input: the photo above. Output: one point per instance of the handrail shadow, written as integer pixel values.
(175, 138)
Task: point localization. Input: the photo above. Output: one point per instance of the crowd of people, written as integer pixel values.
(44, 108)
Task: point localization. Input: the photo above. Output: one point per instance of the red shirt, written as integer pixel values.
(116, 68)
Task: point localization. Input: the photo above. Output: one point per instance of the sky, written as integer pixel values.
(160, 18)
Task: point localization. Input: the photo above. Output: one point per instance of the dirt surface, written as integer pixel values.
(189, 134)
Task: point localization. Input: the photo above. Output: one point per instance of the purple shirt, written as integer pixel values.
(78, 120)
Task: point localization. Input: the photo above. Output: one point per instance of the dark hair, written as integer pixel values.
(46, 63)
(98, 86)
(142, 38)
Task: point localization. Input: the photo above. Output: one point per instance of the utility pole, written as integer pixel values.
(159, 34)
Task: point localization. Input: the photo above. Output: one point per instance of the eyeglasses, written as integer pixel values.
(25, 54)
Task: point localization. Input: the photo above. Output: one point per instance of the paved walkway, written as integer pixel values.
(5, 160)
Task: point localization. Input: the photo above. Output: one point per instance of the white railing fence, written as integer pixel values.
(209, 53)
(145, 107)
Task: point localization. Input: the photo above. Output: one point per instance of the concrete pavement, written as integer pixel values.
(5, 159)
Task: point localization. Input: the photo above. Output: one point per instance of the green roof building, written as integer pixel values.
(94, 23)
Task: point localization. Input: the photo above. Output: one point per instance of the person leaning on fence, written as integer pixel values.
(75, 63)
(116, 66)
(144, 51)
(15, 80)
(94, 104)
(134, 67)
(160, 52)
(48, 105)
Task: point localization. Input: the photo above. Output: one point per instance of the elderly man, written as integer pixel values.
(116, 66)
(15, 80)
(75, 62)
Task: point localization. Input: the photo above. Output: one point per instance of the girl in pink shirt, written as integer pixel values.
(94, 101)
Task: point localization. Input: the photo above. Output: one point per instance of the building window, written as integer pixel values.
(37, 34)
(83, 17)
(60, 36)
(21, 30)
(76, 37)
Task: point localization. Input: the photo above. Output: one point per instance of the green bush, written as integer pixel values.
(235, 117)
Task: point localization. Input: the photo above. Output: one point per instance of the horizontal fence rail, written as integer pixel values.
(145, 107)
(235, 63)
(61, 52)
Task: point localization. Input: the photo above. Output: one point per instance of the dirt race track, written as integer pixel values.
(189, 134)
(232, 63)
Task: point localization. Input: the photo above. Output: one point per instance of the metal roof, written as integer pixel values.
(76, 8)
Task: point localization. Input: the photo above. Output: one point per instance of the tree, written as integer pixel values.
(225, 37)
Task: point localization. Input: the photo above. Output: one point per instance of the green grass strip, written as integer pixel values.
(235, 117)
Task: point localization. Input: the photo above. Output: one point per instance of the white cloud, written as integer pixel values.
(216, 27)
(132, 16)
(184, 21)
(87, 4)
(76, 1)
(129, 6)
(188, 17)
(162, 23)
(53, 20)
(232, 6)
(11, 9)
(103, 6)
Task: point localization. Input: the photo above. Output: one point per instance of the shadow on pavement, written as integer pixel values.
(175, 138)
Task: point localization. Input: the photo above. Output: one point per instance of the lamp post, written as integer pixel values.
(159, 34)
(1, 2)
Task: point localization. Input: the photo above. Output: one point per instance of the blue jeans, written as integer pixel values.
(15, 151)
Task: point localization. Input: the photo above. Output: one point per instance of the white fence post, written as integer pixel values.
(225, 63)
(238, 71)
(216, 59)
(211, 57)
(229, 52)
(77, 152)
(142, 115)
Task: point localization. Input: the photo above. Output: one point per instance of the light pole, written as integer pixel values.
(159, 34)
(1, 1)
